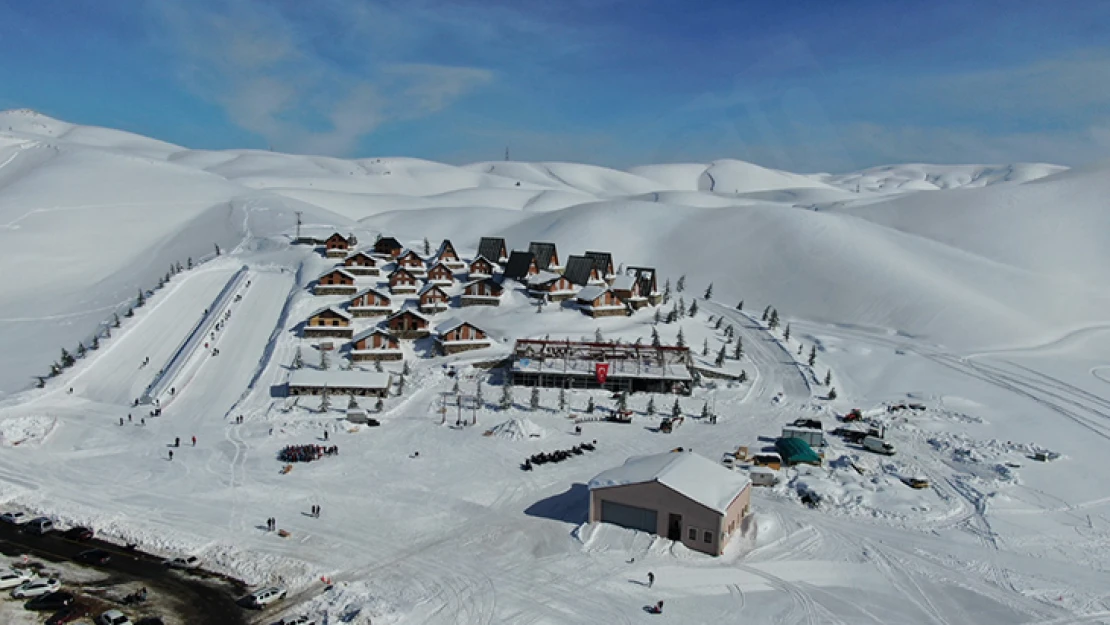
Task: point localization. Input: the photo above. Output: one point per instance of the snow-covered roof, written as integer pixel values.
(623, 283)
(339, 311)
(429, 287)
(314, 378)
(374, 291)
(688, 474)
(482, 258)
(439, 263)
(451, 324)
(340, 270)
(543, 277)
(360, 253)
(591, 293)
(411, 311)
(491, 281)
(371, 332)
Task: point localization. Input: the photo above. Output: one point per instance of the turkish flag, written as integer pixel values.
(602, 372)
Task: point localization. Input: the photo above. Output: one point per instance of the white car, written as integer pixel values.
(10, 578)
(113, 617)
(266, 596)
(190, 562)
(15, 518)
(36, 588)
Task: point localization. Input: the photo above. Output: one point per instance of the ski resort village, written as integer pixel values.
(392, 391)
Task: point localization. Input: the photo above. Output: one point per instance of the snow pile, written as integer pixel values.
(517, 429)
(26, 430)
(355, 603)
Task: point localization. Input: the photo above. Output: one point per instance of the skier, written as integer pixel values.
(651, 579)
(171, 454)
(194, 441)
(144, 420)
(129, 417)
(121, 421)
(177, 441)
(325, 434)
(173, 390)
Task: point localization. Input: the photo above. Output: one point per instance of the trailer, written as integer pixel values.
(814, 437)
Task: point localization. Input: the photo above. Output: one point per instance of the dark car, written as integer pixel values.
(94, 556)
(67, 614)
(80, 534)
(51, 601)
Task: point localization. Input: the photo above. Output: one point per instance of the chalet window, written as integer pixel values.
(708, 537)
(693, 533)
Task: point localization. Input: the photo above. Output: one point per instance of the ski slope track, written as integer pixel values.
(886, 276)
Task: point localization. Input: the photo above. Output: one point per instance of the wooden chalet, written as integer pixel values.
(337, 245)
(604, 263)
(448, 256)
(361, 264)
(483, 292)
(647, 287)
(433, 299)
(493, 249)
(408, 323)
(388, 246)
(440, 274)
(330, 321)
(600, 301)
(479, 268)
(370, 303)
(375, 344)
(547, 258)
(411, 261)
(521, 265)
(335, 282)
(582, 271)
(454, 336)
(338, 383)
(553, 287)
(402, 281)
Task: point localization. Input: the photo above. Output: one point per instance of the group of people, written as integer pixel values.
(557, 456)
(306, 453)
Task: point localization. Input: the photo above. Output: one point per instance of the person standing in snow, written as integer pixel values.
(177, 441)
(325, 434)
(194, 441)
(171, 454)
(651, 579)
(121, 421)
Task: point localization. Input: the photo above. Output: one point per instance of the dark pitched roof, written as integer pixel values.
(491, 248)
(518, 264)
(578, 270)
(443, 247)
(603, 261)
(386, 244)
(544, 253)
(497, 288)
(645, 276)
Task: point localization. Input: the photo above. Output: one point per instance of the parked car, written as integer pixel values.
(67, 614)
(262, 598)
(52, 601)
(113, 617)
(15, 518)
(35, 588)
(80, 534)
(10, 578)
(94, 556)
(878, 445)
(40, 525)
(190, 562)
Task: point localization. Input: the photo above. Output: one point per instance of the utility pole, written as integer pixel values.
(299, 213)
(506, 152)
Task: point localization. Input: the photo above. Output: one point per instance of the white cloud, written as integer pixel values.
(260, 67)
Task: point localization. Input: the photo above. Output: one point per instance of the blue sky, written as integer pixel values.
(802, 85)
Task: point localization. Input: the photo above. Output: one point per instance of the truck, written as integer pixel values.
(878, 445)
(814, 437)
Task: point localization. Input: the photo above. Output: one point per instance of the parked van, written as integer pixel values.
(763, 476)
(878, 445)
(41, 525)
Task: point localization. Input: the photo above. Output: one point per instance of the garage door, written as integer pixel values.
(629, 516)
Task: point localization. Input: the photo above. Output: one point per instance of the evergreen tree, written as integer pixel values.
(738, 351)
(656, 316)
(562, 399)
(534, 401)
(298, 361)
(67, 358)
(654, 337)
(812, 355)
(705, 347)
(115, 320)
(705, 410)
(773, 322)
(682, 307)
(651, 406)
(378, 366)
(325, 401)
(676, 410)
(141, 299)
(351, 403)
(709, 291)
(590, 406)
(766, 314)
(667, 292)
(672, 316)
(405, 368)
(506, 397)
(324, 364)
(427, 248)
(189, 262)
(379, 405)
(598, 338)
(800, 348)
(786, 333)
(832, 393)
(681, 285)
(217, 246)
(95, 343)
(107, 332)
(720, 320)
(740, 306)
(55, 369)
(694, 308)
(41, 382)
(681, 339)
(478, 395)
(721, 355)
(828, 377)
(743, 376)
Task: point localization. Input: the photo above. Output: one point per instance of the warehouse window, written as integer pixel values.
(708, 537)
(693, 533)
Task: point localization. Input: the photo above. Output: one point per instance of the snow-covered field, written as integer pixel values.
(976, 291)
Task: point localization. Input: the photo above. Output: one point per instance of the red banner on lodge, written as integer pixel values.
(602, 371)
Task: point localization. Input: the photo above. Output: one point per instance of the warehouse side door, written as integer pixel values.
(629, 516)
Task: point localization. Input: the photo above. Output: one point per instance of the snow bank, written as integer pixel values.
(517, 429)
(27, 430)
